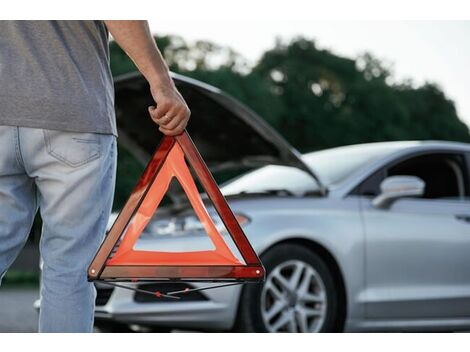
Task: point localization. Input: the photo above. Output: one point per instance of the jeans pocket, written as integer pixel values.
(73, 148)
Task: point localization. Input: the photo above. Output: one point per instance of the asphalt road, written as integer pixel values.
(17, 313)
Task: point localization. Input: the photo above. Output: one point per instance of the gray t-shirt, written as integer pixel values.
(56, 75)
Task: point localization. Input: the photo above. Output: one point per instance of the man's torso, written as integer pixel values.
(56, 75)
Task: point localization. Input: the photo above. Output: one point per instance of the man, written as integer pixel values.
(58, 148)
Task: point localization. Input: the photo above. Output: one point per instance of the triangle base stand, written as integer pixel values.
(172, 294)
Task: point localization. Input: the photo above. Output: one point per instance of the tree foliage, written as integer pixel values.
(313, 97)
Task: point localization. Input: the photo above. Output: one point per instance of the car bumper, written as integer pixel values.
(210, 310)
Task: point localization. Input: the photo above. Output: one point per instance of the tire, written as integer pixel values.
(259, 303)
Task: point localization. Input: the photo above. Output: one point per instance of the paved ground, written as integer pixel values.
(17, 313)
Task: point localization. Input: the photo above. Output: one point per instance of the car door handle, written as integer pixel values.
(463, 217)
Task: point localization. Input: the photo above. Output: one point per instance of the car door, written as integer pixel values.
(418, 249)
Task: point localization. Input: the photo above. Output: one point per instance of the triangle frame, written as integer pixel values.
(220, 265)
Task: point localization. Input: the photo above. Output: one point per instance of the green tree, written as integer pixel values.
(313, 97)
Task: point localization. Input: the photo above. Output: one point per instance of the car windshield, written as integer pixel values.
(336, 164)
(331, 165)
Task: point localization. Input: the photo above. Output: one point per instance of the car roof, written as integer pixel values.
(400, 145)
(391, 150)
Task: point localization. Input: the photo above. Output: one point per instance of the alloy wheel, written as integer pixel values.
(293, 298)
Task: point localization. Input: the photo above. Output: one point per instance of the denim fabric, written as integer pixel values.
(70, 178)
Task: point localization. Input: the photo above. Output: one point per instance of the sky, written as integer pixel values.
(433, 51)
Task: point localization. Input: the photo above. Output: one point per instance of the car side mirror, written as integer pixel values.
(395, 187)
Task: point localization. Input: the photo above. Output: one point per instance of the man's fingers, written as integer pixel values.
(167, 119)
(175, 131)
(183, 121)
(162, 109)
(158, 112)
(174, 121)
(171, 114)
(152, 112)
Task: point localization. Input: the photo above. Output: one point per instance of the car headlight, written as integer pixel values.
(187, 225)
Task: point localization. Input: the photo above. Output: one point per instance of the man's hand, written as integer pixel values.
(134, 37)
(171, 113)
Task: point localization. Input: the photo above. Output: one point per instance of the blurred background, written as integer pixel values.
(319, 84)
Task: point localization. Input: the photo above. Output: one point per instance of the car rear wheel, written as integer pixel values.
(298, 295)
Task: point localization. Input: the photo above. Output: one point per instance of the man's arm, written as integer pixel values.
(134, 37)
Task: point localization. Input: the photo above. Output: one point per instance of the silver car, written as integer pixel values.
(369, 237)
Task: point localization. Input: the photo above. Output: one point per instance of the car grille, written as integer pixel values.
(102, 295)
(167, 287)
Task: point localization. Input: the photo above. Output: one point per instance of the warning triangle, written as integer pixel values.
(119, 260)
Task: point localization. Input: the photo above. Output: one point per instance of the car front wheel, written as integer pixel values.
(298, 295)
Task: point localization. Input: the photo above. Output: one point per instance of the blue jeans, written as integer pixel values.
(70, 178)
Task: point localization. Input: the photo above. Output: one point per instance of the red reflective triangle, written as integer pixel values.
(121, 262)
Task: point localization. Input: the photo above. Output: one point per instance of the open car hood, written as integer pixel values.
(228, 134)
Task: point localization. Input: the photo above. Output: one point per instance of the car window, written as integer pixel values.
(444, 174)
(371, 186)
